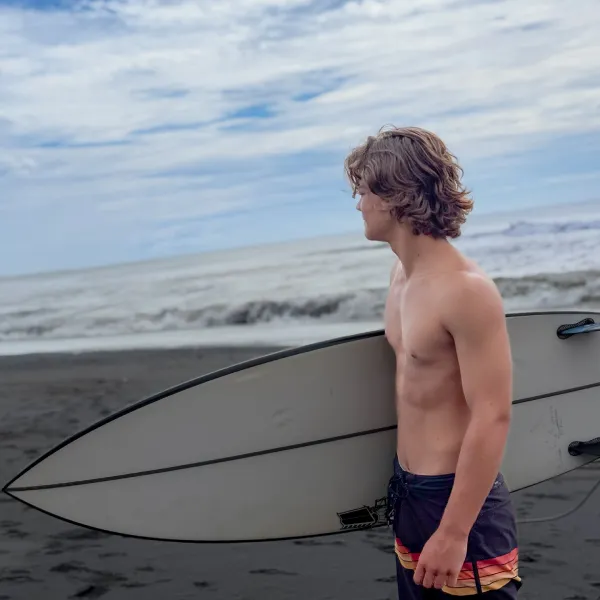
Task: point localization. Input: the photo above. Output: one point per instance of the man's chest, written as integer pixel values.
(413, 323)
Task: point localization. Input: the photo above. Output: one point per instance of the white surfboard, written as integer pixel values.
(301, 442)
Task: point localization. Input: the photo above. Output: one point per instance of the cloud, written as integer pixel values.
(139, 110)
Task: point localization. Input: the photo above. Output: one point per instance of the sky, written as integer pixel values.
(138, 129)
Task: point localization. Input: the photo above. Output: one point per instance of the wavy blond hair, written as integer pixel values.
(412, 169)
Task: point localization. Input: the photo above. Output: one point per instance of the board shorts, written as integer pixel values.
(416, 504)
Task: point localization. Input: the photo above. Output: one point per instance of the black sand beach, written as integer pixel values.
(43, 399)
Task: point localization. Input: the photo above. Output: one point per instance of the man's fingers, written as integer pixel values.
(440, 580)
(428, 579)
(419, 574)
(452, 578)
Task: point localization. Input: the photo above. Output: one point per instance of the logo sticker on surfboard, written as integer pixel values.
(365, 517)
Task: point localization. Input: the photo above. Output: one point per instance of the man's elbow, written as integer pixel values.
(502, 419)
(493, 415)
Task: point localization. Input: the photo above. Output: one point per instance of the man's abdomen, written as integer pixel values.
(431, 430)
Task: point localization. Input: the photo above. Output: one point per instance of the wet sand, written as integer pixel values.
(43, 399)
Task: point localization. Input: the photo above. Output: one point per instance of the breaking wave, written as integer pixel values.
(533, 228)
(580, 289)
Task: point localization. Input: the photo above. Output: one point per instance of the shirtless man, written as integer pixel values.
(452, 515)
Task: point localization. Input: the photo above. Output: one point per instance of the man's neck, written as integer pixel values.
(420, 253)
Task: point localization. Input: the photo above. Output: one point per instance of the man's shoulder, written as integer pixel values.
(468, 283)
(471, 300)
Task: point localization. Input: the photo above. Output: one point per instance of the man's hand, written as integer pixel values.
(442, 559)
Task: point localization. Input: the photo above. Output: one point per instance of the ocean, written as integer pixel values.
(292, 293)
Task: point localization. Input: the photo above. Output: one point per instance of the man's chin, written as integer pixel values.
(371, 236)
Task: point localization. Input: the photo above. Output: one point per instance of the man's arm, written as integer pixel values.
(474, 316)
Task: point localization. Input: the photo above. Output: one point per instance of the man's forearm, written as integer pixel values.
(479, 461)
